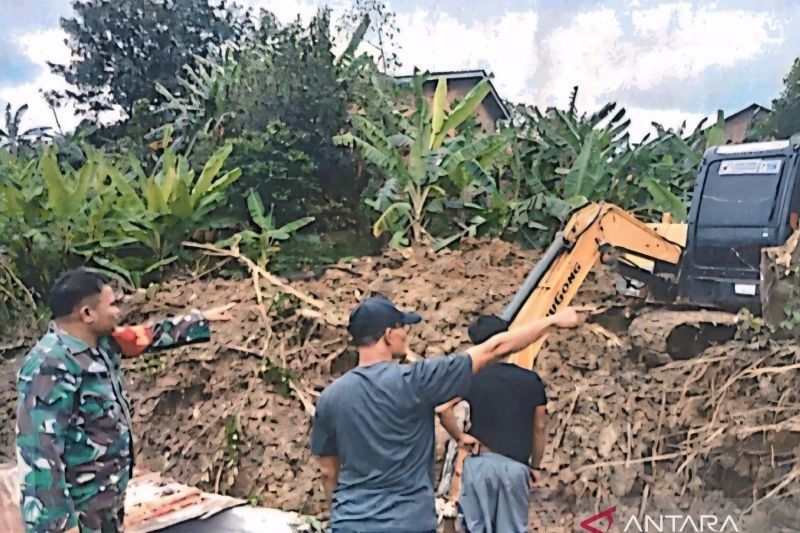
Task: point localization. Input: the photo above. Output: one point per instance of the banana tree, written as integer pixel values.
(262, 245)
(13, 137)
(574, 156)
(578, 158)
(414, 159)
(204, 104)
(660, 176)
(173, 199)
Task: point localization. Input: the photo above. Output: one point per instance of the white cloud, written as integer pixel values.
(438, 41)
(584, 53)
(40, 47)
(608, 53)
(686, 41)
(668, 43)
(641, 119)
(45, 45)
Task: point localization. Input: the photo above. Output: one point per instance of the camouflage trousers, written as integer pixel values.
(107, 520)
(110, 520)
(104, 512)
(99, 509)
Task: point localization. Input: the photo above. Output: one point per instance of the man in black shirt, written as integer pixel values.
(509, 425)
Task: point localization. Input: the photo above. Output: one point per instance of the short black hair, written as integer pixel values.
(369, 340)
(73, 287)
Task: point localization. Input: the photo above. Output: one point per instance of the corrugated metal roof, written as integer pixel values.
(152, 502)
(10, 519)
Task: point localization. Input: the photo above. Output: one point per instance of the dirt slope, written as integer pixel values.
(233, 416)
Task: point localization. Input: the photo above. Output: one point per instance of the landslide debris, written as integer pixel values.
(629, 420)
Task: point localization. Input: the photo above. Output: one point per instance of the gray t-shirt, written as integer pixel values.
(378, 420)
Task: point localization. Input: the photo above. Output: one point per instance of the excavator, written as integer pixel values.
(746, 198)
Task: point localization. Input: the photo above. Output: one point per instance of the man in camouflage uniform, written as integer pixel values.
(74, 443)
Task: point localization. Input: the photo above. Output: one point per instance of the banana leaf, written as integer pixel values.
(580, 181)
(397, 209)
(666, 200)
(465, 109)
(438, 111)
(210, 171)
(285, 231)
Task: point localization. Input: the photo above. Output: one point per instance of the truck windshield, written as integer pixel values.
(740, 194)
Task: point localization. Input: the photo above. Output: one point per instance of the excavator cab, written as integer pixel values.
(746, 197)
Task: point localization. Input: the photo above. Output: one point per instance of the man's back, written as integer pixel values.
(378, 420)
(502, 401)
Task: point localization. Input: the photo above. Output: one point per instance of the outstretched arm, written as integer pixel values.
(180, 330)
(512, 341)
(170, 332)
(187, 329)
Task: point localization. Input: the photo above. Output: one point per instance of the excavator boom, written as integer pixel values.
(558, 275)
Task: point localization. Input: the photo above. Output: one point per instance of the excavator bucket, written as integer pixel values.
(661, 336)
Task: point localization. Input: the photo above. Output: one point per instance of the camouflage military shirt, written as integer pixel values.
(74, 443)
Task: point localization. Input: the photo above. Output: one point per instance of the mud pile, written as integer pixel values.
(233, 416)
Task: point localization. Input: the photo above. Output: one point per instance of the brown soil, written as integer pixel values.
(233, 416)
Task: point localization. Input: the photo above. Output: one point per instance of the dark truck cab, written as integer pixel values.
(743, 201)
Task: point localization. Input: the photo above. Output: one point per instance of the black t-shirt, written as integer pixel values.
(502, 399)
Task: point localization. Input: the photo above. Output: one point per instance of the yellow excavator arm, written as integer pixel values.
(592, 230)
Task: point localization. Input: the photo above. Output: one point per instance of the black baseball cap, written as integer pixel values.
(374, 315)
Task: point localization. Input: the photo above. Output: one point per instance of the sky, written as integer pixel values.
(667, 62)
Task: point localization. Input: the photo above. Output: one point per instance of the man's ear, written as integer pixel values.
(86, 314)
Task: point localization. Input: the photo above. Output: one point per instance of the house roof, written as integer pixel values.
(753, 108)
(478, 75)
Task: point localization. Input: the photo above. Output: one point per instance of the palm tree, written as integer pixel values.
(12, 138)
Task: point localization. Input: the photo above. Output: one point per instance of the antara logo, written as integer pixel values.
(677, 522)
(663, 523)
(608, 514)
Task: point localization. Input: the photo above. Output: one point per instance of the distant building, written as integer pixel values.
(738, 125)
(459, 83)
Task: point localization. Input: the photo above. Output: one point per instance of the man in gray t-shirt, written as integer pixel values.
(374, 426)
